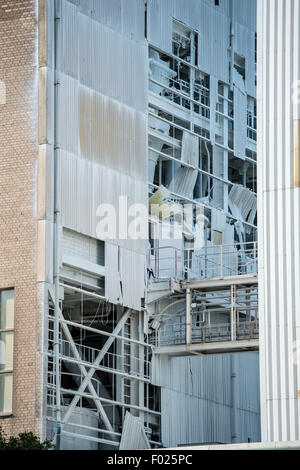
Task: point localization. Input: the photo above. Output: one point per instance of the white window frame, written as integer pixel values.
(7, 372)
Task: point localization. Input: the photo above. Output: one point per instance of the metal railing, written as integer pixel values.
(209, 262)
(175, 334)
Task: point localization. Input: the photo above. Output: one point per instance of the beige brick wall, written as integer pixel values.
(18, 200)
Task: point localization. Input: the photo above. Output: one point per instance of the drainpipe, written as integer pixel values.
(188, 316)
(234, 396)
(208, 165)
(232, 42)
(56, 226)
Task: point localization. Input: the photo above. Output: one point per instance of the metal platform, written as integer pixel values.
(221, 347)
(216, 282)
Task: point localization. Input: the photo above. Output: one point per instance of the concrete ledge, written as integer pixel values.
(295, 445)
(209, 348)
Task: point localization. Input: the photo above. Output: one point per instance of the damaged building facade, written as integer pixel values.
(123, 342)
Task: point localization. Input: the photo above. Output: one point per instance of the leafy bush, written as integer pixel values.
(24, 441)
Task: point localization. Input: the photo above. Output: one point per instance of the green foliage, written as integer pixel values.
(24, 441)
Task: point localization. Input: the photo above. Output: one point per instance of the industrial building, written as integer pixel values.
(129, 252)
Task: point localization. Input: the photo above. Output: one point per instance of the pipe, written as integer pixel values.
(188, 316)
(208, 165)
(234, 395)
(56, 230)
(232, 37)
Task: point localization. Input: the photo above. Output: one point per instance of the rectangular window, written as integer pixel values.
(251, 119)
(6, 350)
(185, 43)
(240, 65)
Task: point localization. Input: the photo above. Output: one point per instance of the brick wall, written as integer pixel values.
(18, 221)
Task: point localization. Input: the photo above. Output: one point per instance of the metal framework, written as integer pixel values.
(109, 379)
(199, 301)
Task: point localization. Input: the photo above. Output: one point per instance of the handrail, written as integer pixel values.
(208, 262)
(172, 334)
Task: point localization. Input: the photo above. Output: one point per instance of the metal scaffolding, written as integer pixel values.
(104, 367)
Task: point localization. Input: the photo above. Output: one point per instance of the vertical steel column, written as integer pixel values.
(188, 316)
(141, 365)
(232, 37)
(56, 225)
(233, 313)
(221, 262)
(134, 354)
(233, 398)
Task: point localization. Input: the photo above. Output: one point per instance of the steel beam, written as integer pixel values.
(227, 281)
(96, 363)
(221, 347)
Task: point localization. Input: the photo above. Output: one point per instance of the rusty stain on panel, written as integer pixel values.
(112, 134)
(84, 122)
(100, 136)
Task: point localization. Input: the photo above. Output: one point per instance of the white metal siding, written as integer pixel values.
(279, 218)
(196, 398)
(103, 123)
(213, 26)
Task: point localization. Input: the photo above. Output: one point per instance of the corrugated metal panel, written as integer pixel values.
(196, 398)
(133, 435)
(245, 12)
(133, 275)
(69, 46)
(107, 12)
(85, 185)
(213, 26)
(121, 75)
(133, 19)
(103, 124)
(240, 114)
(160, 24)
(112, 276)
(279, 217)
(192, 420)
(245, 47)
(68, 106)
(124, 16)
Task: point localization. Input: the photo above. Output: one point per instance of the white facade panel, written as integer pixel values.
(121, 75)
(107, 12)
(102, 122)
(112, 276)
(69, 45)
(133, 275)
(213, 26)
(197, 398)
(279, 219)
(245, 12)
